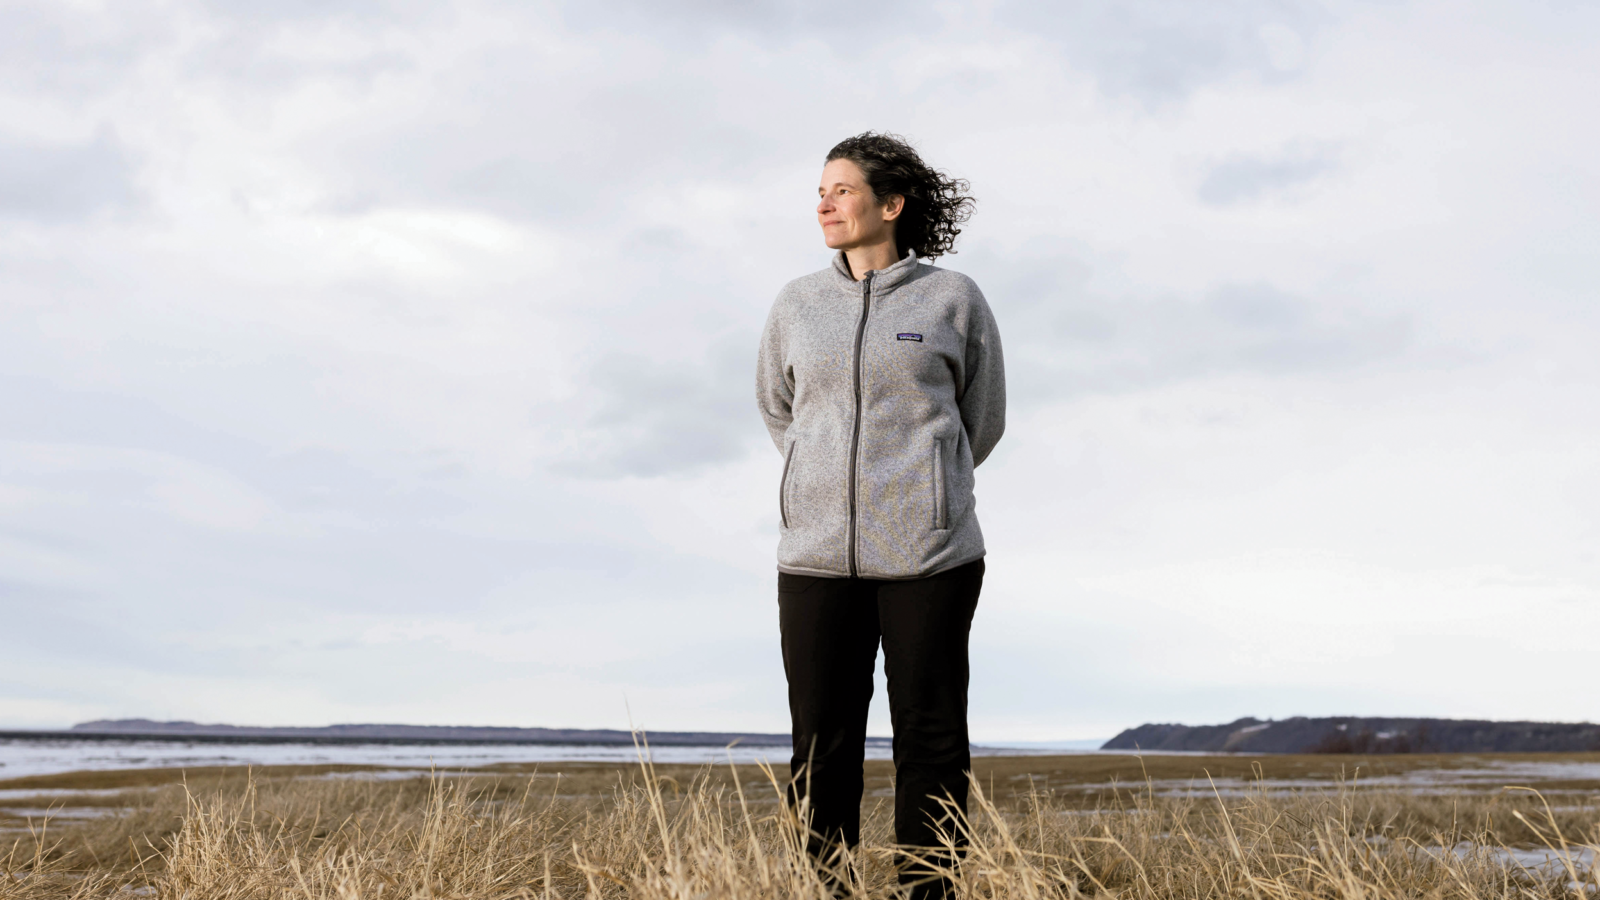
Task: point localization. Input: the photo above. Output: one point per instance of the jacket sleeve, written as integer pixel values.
(983, 398)
(774, 381)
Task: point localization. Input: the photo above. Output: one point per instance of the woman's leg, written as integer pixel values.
(830, 645)
(925, 624)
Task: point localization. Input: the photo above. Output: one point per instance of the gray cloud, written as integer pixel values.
(308, 478)
(1269, 330)
(39, 410)
(365, 11)
(96, 638)
(91, 51)
(248, 63)
(496, 148)
(1246, 178)
(776, 21)
(660, 417)
(76, 52)
(1160, 50)
(1065, 338)
(1154, 50)
(321, 478)
(56, 182)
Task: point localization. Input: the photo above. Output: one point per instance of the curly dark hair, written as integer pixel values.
(936, 204)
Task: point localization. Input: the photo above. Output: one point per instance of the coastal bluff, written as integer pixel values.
(1349, 734)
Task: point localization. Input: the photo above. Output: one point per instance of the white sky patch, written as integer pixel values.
(432, 246)
(563, 647)
(27, 713)
(1285, 48)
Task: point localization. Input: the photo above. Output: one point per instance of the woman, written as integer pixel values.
(881, 381)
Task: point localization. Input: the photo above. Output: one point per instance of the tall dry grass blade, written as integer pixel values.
(1564, 851)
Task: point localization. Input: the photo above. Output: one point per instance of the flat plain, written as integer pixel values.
(1290, 826)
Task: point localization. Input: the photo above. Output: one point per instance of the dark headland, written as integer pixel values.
(1347, 734)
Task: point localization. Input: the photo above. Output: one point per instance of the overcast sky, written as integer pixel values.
(393, 361)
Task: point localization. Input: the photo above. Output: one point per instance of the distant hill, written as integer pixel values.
(145, 728)
(1360, 735)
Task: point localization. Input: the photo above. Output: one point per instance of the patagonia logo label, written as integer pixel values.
(907, 336)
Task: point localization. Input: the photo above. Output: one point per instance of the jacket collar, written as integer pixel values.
(885, 279)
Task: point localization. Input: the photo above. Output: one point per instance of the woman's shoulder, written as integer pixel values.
(807, 287)
(947, 283)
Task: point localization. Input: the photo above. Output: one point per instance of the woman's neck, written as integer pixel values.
(871, 258)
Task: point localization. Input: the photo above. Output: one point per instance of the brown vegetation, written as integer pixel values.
(1041, 827)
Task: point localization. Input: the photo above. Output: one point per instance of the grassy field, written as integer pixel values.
(1093, 825)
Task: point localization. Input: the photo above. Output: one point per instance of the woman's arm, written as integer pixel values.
(774, 389)
(983, 399)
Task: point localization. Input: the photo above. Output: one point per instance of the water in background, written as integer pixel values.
(20, 758)
(23, 757)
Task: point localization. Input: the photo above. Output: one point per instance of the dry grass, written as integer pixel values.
(682, 833)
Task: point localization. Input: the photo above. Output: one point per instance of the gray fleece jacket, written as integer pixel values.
(882, 395)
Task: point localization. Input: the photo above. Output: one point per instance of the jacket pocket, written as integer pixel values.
(941, 500)
(783, 486)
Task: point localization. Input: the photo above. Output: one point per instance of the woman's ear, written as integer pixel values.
(893, 206)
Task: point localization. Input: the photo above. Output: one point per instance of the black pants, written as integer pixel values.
(831, 629)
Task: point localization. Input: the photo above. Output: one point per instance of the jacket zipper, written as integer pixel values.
(855, 438)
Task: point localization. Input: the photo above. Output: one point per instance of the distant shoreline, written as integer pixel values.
(202, 737)
(653, 739)
(397, 735)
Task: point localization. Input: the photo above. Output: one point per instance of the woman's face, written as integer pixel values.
(849, 214)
